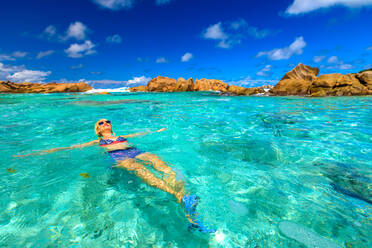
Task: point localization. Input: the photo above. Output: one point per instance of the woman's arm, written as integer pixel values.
(141, 134)
(93, 142)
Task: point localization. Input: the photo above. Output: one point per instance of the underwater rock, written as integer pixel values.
(100, 103)
(9, 87)
(85, 175)
(11, 170)
(305, 236)
(346, 180)
(237, 208)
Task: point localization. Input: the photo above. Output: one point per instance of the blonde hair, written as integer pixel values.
(96, 126)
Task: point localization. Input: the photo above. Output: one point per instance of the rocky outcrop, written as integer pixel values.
(210, 84)
(9, 87)
(336, 84)
(141, 88)
(365, 78)
(296, 82)
(237, 90)
(185, 85)
(165, 84)
(303, 81)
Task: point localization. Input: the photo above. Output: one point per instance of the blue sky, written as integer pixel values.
(127, 42)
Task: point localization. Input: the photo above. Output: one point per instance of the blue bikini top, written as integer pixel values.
(104, 142)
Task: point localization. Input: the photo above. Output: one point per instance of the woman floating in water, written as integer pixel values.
(130, 158)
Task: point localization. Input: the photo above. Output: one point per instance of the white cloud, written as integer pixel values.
(13, 56)
(139, 80)
(161, 60)
(215, 32)
(77, 30)
(249, 82)
(238, 24)
(115, 4)
(18, 54)
(79, 66)
(341, 66)
(264, 72)
(231, 33)
(114, 39)
(29, 76)
(186, 57)
(161, 2)
(4, 57)
(369, 48)
(285, 53)
(5, 70)
(44, 54)
(79, 50)
(338, 64)
(305, 6)
(346, 66)
(257, 33)
(317, 59)
(333, 60)
(49, 31)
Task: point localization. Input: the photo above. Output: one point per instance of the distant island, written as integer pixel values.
(302, 80)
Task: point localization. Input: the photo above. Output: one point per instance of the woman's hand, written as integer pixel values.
(161, 130)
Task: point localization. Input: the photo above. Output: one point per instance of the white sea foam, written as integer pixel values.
(122, 89)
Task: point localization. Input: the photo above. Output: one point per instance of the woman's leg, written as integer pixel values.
(159, 165)
(149, 178)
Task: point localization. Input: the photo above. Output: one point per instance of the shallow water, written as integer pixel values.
(270, 171)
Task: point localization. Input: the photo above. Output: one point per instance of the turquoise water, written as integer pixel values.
(270, 171)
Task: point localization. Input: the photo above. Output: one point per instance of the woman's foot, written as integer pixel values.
(190, 202)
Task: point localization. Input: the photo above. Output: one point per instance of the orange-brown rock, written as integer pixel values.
(103, 93)
(185, 85)
(365, 78)
(336, 84)
(296, 82)
(165, 84)
(142, 88)
(9, 87)
(210, 84)
(237, 90)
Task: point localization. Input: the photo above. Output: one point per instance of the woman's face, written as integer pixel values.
(104, 125)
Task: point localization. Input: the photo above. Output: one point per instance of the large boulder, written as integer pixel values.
(296, 82)
(165, 84)
(185, 85)
(9, 87)
(210, 84)
(365, 78)
(336, 84)
(237, 90)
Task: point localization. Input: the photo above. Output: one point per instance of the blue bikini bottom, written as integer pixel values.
(119, 155)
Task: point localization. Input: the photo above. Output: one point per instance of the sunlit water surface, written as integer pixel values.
(270, 171)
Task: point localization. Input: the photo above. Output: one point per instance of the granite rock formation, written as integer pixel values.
(303, 81)
(336, 84)
(210, 84)
(296, 82)
(9, 87)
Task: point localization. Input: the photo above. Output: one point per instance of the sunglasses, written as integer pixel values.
(102, 122)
